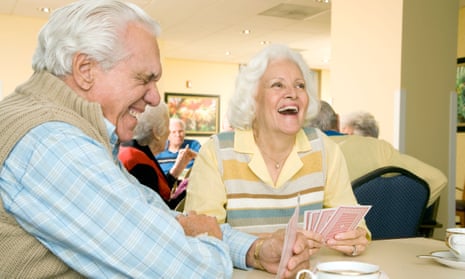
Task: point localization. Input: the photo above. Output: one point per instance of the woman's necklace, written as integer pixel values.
(277, 164)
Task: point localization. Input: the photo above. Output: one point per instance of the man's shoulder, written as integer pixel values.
(189, 141)
(363, 142)
(331, 133)
(193, 144)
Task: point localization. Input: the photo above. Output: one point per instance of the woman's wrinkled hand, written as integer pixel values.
(351, 243)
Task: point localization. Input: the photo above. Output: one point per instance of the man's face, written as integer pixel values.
(177, 134)
(125, 90)
(347, 130)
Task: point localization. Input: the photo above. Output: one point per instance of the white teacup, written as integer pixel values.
(455, 240)
(341, 270)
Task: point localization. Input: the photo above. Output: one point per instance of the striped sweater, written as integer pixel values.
(253, 202)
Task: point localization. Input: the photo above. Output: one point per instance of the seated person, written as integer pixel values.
(68, 209)
(254, 174)
(138, 157)
(327, 120)
(359, 123)
(177, 146)
(365, 154)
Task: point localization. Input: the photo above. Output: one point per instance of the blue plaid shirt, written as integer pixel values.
(64, 188)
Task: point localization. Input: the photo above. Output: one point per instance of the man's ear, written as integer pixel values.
(83, 71)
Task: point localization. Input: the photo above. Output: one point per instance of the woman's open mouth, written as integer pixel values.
(289, 110)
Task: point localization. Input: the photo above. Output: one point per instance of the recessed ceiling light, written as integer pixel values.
(45, 10)
(246, 31)
(227, 53)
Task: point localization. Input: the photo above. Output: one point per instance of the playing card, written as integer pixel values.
(289, 240)
(323, 219)
(307, 219)
(345, 218)
(315, 218)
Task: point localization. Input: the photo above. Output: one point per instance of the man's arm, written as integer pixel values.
(66, 190)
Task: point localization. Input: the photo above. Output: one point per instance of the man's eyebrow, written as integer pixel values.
(154, 76)
(148, 77)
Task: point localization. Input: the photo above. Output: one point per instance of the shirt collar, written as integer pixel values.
(111, 131)
(114, 140)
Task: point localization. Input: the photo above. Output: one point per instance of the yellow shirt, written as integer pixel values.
(365, 154)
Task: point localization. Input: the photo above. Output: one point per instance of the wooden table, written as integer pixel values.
(396, 257)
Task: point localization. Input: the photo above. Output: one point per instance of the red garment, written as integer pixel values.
(131, 157)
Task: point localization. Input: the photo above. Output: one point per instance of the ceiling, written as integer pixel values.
(207, 29)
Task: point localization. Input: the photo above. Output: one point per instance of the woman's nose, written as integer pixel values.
(291, 93)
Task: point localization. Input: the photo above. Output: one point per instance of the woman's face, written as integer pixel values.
(282, 100)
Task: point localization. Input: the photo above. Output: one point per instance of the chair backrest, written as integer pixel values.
(398, 199)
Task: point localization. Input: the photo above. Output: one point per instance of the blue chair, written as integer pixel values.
(398, 199)
(429, 222)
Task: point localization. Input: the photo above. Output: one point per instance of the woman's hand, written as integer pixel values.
(351, 243)
(315, 241)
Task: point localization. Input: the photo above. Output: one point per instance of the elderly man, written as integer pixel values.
(68, 209)
(177, 146)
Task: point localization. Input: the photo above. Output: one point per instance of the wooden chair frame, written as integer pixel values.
(460, 209)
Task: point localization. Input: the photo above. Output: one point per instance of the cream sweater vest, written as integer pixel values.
(42, 98)
(252, 202)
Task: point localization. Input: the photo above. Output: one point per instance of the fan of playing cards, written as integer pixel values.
(330, 221)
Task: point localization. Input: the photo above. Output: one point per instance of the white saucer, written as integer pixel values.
(447, 258)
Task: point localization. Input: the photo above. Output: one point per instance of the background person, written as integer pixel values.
(253, 175)
(178, 146)
(359, 123)
(138, 157)
(327, 120)
(68, 208)
(365, 154)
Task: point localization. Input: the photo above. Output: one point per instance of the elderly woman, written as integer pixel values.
(138, 158)
(253, 175)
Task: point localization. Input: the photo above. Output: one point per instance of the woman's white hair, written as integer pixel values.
(241, 110)
(90, 27)
(152, 126)
(363, 123)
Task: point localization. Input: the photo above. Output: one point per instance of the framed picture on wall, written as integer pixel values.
(200, 112)
(460, 88)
